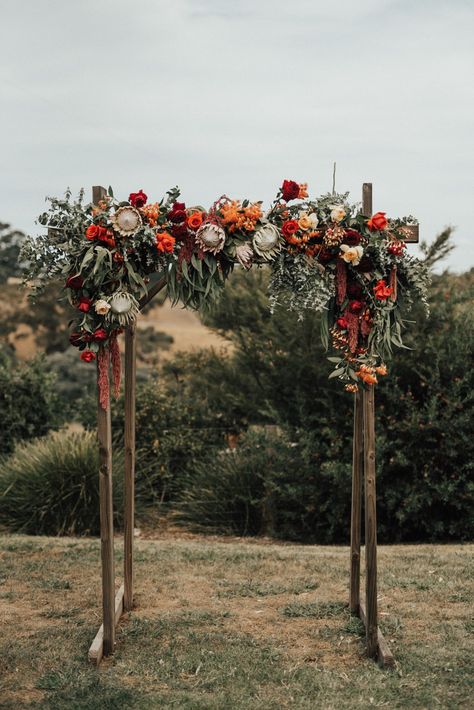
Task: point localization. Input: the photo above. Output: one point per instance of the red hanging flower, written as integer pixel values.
(396, 248)
(137, 199)
(355, 306)
(87, 356)
(290, 190)
(382, 291)
(76, 339)
(100, 334)
(342, 323)
(84, 304)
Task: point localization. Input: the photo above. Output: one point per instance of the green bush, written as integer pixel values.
(50, 486)
(277, 373)
(29, 405)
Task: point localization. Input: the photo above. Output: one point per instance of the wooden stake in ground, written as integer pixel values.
(356, 509)
(104, 433)
(129, 482)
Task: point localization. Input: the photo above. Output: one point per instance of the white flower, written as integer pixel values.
(127, 221)
(337, 213)
(266, 241)
(351, 255)
(244, 255)
(211, 237)
(102, 307)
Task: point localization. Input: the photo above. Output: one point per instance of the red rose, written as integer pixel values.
(289, 228)
(75, 282)
(382, 291)
(342, 323)
(356, 306)
(92, 232)
(100, 334)
(87, 356)
(137, 199)
(177, 212)
(378, 222)
(290, 190)
(351, 238)
(84, 304)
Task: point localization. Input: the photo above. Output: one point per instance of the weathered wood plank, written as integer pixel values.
(384, 654)
(104, 433)
(129, 482)
(96, 650)
(160, 284)
(356, 505)
(370, 520)
(411, 233)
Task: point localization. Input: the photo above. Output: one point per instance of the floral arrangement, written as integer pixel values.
(323, 253)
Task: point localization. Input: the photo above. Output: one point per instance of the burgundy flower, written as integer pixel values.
(179, 231)
(76, 339)
(138, 199)
(75, 282)
(290, 190)
(356, 306)
(87, 356)
(177, 212)
(351, 238)
(342, 323)
(354, 290)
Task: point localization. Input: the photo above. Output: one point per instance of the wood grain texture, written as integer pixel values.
(160, 284)
(367, 199)
(129, 482)
(104, 433)
(370, 520)
(356, 505)
(384, 654)
(96, 650)
(411, 233)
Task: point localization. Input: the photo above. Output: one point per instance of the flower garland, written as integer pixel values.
(323, 253)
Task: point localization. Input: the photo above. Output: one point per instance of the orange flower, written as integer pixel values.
(381, 370)
(303, 190)
(165, 242)
(351, 388)
(378, 222)
(194, 220)
(382, 291)
(151, 213)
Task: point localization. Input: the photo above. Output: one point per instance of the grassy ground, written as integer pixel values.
(234, 625)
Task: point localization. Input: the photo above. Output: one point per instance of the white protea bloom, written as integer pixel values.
(210, 237)
(351, 255)
(244, 255)
(266, 241)
(127, 221)
(125, 307)
(101, 307)
(337, 213)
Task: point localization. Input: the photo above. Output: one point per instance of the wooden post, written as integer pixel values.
(368, 407)
(104, 432)
(370, 522)
(129, 483)
(356, 509)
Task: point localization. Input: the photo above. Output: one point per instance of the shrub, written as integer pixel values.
(28, 402)
(50, 486)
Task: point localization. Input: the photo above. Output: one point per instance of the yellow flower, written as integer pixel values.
(351, 255)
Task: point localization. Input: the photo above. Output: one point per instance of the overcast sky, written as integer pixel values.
(232, 97)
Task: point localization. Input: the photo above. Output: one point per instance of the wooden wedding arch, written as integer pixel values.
(363, 489)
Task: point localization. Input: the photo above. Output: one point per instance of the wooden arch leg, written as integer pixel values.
(129, 483)
(356, 505)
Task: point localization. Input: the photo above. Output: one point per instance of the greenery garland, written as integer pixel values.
(323, 253)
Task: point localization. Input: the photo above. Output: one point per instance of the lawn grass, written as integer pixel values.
(235, 625)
